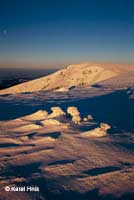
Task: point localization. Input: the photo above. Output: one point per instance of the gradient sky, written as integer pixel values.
(59, 32)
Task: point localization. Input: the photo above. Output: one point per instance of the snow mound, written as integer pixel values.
(97, 132)
(78, 75)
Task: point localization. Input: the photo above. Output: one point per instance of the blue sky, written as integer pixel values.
(53, 33)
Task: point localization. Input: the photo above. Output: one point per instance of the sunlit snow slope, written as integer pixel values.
(78, 75)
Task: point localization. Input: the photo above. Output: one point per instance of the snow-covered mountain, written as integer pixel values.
(77, 75)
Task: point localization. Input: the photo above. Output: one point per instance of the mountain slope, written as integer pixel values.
(84, 74)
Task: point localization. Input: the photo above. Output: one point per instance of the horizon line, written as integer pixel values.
(56, 66)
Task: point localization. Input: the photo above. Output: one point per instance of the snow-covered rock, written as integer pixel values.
(97, 132)
(73, 111)
(56, 112)
(76, 119)
(88, 118)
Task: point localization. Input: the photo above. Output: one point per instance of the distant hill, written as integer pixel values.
(76, 75)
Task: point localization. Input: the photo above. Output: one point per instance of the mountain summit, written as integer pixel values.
(76, 75)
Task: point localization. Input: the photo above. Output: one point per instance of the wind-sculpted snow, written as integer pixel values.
(55, 149)
(76, 144)
(73, 111)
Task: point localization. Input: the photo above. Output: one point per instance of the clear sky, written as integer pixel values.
(53, 33)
